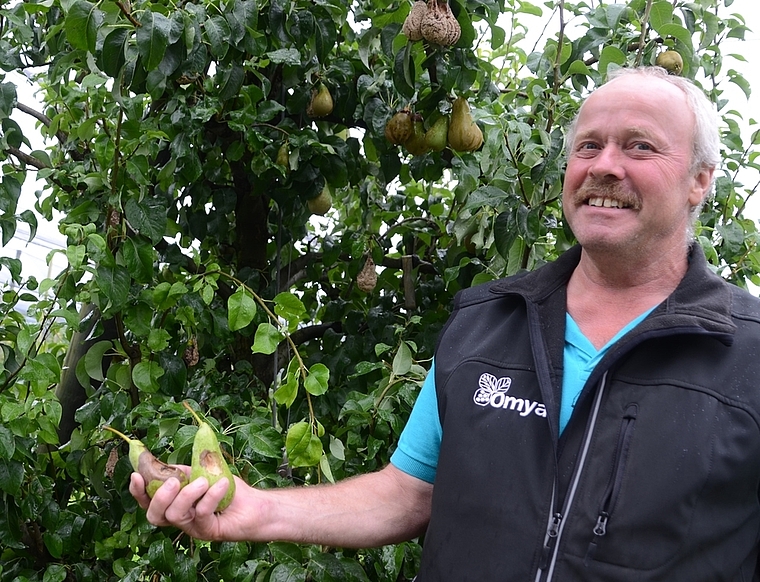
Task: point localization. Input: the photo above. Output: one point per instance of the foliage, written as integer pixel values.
(180, 153)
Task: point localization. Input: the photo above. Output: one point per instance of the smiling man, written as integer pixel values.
(597, 419)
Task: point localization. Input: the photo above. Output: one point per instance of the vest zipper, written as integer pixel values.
(616, 479)
(557, 523)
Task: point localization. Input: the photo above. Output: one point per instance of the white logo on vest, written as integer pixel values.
(492, 391)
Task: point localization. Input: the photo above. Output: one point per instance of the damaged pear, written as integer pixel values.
(416, 144)
(399, 127)
(366, 280)
(208, 460)
(439, 25)
(153, 471)
(411, 27)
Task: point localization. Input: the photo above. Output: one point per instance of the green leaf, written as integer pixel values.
(158, 340)
(288, 56)
(114, 284)
(611, 55)
(265, 441)
(82, 24)
(93, 359)
(661, 14)
(289, 307)
(402, 361)
(145, 375)
(230, 81)
(286, 394)
(7, 98)
(241, 309)
(75, 255)
(14, 266)
(113, 57)
(161, 555)
(679, 32)
(11, 476)
(54, 544)
(217, 31)
(139, 257)
(147, 217)
(317, 380)
(7, 443)
(303, 447)
(266, 339)
(153, 38)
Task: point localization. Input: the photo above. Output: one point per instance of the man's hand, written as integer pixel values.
(193, 507)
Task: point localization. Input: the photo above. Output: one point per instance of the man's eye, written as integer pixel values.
(588, 146)
(642, 146)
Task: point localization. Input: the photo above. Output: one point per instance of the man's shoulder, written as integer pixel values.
(488, 291)
(744, 305)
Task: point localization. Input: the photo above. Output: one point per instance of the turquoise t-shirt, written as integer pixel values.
(420, 441)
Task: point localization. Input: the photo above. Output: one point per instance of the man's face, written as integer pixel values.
(628, 186)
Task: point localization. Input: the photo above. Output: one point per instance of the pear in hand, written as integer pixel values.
(153, 471)
(208, 460)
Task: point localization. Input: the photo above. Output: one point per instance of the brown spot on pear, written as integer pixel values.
(208, 460)
(153, 471)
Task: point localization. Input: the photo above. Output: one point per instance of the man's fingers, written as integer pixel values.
(210, 501)
(137, 489)
(180, 509)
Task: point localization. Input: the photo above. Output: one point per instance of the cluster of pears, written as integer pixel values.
(207, 461)
(433, 21)
(460, 132)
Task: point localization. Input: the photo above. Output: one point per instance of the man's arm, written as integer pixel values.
(370, 510)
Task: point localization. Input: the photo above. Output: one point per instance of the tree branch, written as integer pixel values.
(42, 118)
(26, 158)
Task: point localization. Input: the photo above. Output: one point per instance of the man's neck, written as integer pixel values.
(604, 296)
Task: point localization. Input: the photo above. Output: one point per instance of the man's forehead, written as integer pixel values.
(592, 129)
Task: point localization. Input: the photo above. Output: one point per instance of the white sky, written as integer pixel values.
(33, 255)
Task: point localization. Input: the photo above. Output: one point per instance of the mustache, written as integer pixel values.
(614, 190)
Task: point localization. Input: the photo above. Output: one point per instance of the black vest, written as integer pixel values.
(656, 476)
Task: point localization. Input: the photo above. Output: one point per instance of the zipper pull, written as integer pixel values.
(554, 525)
(600, 529)
(551, 536)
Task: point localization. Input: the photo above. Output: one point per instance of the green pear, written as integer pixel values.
(208, 460)
(436, 136)
(321, 103)
(153, 471)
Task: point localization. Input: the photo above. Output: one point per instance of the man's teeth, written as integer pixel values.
(605, 202)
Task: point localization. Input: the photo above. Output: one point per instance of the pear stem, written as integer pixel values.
(121, 434)
(195, 414)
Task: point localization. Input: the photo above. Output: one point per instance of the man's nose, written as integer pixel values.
(608, 163)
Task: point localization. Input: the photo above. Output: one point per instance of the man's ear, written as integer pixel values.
(703, 179)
